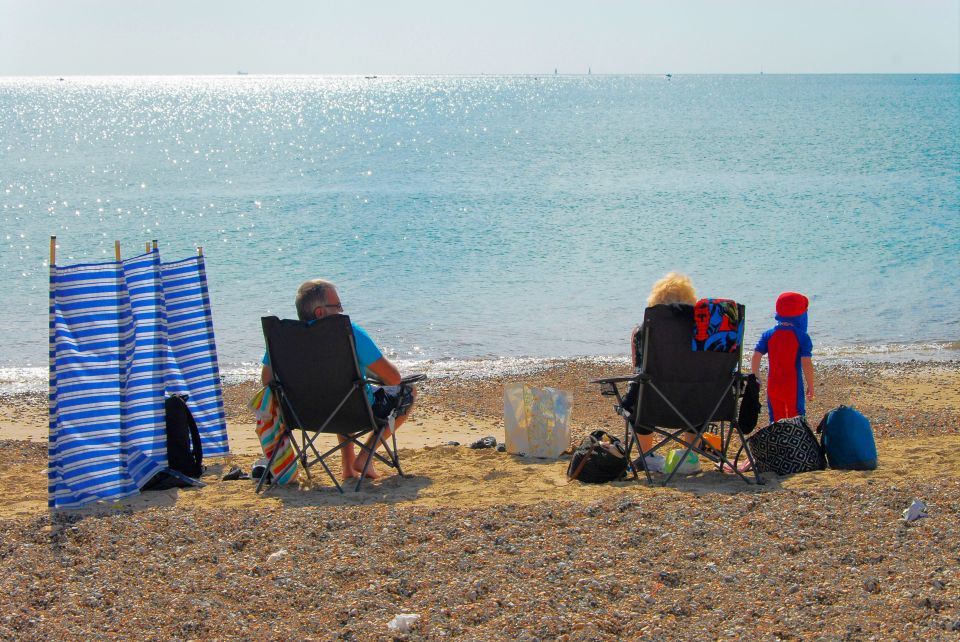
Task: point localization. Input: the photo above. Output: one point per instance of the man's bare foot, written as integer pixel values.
(348, 474)
(371, 471)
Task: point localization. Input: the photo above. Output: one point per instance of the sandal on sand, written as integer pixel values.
(743, 467)
(235, 473)
(486, 442)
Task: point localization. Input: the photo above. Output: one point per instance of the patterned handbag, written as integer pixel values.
(785, 447)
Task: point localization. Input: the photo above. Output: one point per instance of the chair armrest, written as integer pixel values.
(620, 379)
(405, 380)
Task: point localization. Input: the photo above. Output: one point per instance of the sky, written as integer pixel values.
(135, 37)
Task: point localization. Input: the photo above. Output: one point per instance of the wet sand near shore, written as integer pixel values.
(486, 545)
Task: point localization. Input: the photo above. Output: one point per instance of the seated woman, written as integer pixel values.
(673, 289)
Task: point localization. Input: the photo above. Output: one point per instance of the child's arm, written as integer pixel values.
(807, 364)
(755, 363)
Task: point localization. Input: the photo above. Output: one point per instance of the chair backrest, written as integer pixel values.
(316, 366)
(693, 381)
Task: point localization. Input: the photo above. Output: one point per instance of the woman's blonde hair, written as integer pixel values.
(672, 289)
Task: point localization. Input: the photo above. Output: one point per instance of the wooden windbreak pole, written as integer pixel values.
(116, 250)
(155, 245)
(147, 248)
(53, 251)
(199, 250)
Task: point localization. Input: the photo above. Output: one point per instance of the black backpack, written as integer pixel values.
(749, 405)
(184, 451)
(596, 462)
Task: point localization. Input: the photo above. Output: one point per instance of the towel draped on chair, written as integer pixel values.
(716, 326)
(270, 431)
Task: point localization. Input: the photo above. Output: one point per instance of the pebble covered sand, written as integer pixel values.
(815, 556)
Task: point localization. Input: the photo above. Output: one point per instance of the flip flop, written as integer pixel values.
(486, 442)
(743, 467)
(235, 473)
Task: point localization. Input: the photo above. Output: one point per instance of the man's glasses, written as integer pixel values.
(333, 306)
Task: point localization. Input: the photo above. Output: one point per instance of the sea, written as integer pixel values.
(490, 223)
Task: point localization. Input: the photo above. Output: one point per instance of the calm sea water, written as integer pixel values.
(479, 217)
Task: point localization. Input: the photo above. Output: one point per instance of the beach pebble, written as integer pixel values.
(791, 560)
(277, 555)
(403, 622)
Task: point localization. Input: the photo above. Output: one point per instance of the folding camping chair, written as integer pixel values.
(320, 389)
(682, 390)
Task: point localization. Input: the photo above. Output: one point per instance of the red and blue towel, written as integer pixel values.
(717, 326)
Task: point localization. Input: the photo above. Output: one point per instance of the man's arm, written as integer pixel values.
(266, 375)
(385, 371)
(806, 363)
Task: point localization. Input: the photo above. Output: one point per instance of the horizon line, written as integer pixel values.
(373, 75)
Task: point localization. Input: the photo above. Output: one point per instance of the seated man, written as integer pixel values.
(317, 299)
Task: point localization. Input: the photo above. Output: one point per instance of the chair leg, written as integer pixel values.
(753, 462)
(273, 456)
(758, 479)
(370, 455)
(395, 456)
(631, 440)
(392, 459)
(333, 477)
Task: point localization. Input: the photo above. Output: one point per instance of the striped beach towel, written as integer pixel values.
(193, 349)
(270, 430)
(104, 407)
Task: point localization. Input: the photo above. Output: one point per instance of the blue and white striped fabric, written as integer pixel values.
(152, 376)
(190, 334)
(123, 336)
(103, 408)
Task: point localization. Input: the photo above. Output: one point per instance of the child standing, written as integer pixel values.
(788, 348)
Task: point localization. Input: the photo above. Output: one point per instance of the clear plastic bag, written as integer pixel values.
(536, 420)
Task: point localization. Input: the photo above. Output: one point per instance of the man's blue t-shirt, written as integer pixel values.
(367, 352)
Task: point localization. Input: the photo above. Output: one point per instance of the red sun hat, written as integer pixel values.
(792, 304)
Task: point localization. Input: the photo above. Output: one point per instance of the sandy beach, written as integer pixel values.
(486, 545)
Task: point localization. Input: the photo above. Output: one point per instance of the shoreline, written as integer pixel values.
(875, 387)
(34, 379)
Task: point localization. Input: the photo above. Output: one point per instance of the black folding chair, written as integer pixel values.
(320, 389)
(681, 390)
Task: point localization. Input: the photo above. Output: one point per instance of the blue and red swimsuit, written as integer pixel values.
(784, 345)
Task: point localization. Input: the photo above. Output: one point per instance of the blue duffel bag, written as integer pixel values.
(847, 439)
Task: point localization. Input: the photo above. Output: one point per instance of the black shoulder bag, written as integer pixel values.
(596, 461)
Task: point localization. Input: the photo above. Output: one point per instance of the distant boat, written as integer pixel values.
(554, 71)
(589, 71)
(668, 76)
(241, 73)
(369, 77)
